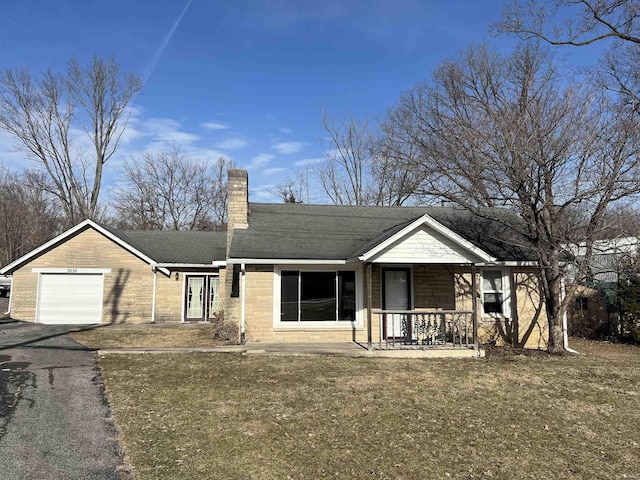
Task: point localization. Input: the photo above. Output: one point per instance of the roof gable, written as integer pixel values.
(158, 248)
(343, 233)
(426, 241)
(84, 225)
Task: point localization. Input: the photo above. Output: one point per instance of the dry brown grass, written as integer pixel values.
(147, 336)
(226, 416)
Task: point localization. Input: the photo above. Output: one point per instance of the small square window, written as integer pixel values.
(493, 303)
(492, 280)
(582, 304)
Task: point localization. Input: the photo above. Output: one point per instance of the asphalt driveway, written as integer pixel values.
(54, 420)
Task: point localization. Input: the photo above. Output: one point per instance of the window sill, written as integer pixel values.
(293, 326)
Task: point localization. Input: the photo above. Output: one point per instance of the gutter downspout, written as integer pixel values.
(369, 305)
(153, 297)
(243, 339)
(565, 326)
(10, 297)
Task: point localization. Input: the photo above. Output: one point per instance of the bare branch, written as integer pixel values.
(40, 111)
(169, 191)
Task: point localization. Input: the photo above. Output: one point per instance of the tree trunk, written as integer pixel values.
(553, 305)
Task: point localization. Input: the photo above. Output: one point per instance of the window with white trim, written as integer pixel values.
(317, 296)
(495, 293)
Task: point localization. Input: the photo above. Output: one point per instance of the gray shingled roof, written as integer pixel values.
(329, 232)
(177, 247)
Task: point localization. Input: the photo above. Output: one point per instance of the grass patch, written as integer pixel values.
(149, 336)
(225, 416)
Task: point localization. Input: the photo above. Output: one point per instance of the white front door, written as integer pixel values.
(397, 296)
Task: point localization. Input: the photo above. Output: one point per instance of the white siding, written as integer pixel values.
(425, 246)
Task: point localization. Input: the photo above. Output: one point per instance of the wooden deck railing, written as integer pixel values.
(425, 328)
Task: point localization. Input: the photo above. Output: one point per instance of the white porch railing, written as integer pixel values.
(425, 328)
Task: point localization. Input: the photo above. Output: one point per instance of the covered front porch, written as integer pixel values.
(421, 307)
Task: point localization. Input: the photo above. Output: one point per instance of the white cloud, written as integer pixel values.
(232, 144)
(287, 148)
(308, 161)
(261, 160)
(264, 193)
(10, 156)
(214, 126)
(167, 130)
(130, 134)
(273, 171)
(286, 131)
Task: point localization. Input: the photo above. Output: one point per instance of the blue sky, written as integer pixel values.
(246, 79)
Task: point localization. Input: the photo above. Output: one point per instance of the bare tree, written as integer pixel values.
(394, 169)
(44, 112)
(345, 177)
(580, 23)
(510, 131)
(295, 187)
(28, 215)
(363, 167)
(586, 21)
(169, 191)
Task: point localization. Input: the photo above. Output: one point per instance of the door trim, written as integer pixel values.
(206, 276)
(383, 271)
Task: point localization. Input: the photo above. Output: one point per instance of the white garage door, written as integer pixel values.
(70, 298)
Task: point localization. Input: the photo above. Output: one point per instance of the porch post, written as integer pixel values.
(474, 299)
(369, 302)
(153, 295)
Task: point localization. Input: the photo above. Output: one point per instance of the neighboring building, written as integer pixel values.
(5, 286)
(384, 276)
(594, 313)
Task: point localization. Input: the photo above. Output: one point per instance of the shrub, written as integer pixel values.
(226, 332)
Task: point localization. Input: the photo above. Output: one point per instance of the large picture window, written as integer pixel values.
(317, 296)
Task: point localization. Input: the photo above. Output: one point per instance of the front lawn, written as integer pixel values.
(227, 416)
(147, 336)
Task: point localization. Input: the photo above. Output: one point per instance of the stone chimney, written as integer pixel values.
(238, 199)
(237, 218)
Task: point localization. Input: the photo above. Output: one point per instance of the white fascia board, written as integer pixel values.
(72, 231)
(509, 263)
(438, 227)
(26, 257)
(285, 261)
(190, 265)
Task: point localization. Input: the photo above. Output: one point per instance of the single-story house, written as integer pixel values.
(384, 276)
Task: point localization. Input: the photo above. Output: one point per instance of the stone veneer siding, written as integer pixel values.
(437, 287)
(527, 327)
(128, 289)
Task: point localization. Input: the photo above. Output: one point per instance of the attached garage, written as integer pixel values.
(70, 298)
(93, 274)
